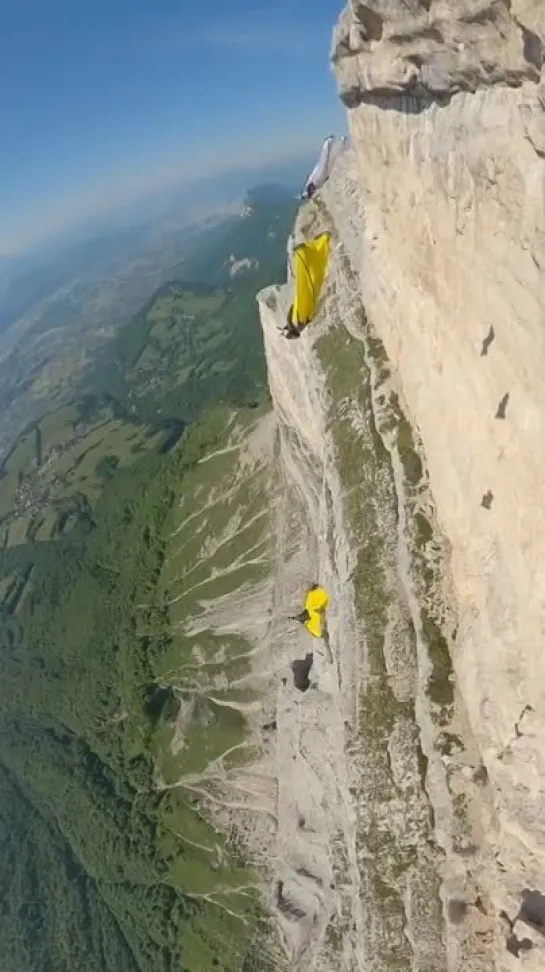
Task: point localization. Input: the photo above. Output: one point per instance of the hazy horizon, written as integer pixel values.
(112, 104)
(193, 198)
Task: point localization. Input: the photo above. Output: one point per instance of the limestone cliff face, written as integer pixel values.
(441, 213)
(434, 48)
(364, 814)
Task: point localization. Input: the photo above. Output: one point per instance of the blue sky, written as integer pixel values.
(106, 100)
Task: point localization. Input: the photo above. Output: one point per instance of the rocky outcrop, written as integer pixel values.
(431, 49)
(441, 211)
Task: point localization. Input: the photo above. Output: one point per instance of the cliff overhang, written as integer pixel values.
(432, 49)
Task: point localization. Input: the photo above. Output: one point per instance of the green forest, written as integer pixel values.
(88, 842)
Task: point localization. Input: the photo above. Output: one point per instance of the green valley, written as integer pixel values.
(118, 525)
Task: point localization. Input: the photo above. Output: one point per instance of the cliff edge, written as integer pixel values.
(447, 116)
(432, 49)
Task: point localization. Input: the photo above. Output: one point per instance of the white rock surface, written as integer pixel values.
(396, 808)
(442, 211)
(369, 875)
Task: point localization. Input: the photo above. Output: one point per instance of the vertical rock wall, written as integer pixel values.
(446, 106)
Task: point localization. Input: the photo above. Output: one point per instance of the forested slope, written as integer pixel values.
(99, 873)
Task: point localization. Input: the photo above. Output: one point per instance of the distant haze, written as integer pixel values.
(191, 198)
(108, 103)
(154, 231)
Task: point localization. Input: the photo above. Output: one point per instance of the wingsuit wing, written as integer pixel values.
(317, 599)
(310, 265)
(315, 624)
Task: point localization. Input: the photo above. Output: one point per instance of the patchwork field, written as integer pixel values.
(54, 474)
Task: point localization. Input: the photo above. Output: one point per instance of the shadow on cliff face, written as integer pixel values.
(532, 910)
(414, 102)
(287, 907)
(300, 668)
(487, 342)
(532, 913)
(532, 48)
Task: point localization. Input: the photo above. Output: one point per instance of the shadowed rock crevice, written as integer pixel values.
(487, 342)
(502, 407)
(516, 945)
(532, 909)
(531, 913)
(414, 101)
(288, 908)
(371, 23)
(532, 48)
(486, 15)
(428, 33)
(457, 911)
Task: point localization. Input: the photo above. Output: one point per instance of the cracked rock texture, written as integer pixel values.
(436, 47)
(447, 116)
